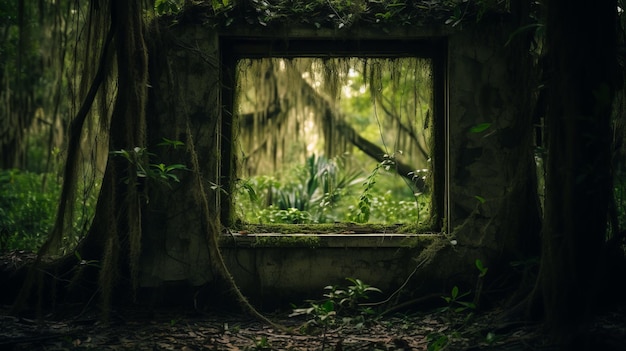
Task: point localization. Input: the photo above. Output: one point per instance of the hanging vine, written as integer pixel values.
(281, 101)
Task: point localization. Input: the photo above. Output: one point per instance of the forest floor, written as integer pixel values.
(80, 327)
(175, 330)
(190, 330)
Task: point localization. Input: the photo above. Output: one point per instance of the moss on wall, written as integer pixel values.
(329, 228)
(310, 241)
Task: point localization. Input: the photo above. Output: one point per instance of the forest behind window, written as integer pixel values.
(324, 140)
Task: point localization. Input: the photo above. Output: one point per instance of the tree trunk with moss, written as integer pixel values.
(120, 205)
(581, 42)
(115, 234)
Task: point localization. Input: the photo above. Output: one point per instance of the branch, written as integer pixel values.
(411, 133)
(351, 135)
(375, 152)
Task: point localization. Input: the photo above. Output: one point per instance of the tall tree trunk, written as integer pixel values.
(115, 234)
(581, 43)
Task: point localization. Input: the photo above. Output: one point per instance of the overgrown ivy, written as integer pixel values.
(335, 14)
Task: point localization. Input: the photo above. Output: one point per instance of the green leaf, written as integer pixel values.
(481, 127)
(173, 143)
(470, 305)
(328, 306)
(455, 292)
(437, 342)
(464, 294)
(163, 7)
(175, 166)
(251, 192)
(483, 270)
(480, 199)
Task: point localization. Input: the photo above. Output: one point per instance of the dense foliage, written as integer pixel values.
(28, 204)
(322, 192)
(339, 14)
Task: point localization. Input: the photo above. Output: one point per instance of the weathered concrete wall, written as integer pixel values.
(184, 89)
(288, 271)
(485, 165)
(491, 172)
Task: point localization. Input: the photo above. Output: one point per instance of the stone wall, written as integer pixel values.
(492, 175)
(184, 90)
(484, 167)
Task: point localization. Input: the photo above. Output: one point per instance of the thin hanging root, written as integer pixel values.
(213, 242)
(68, 191)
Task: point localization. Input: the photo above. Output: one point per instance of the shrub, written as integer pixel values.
(27, 210)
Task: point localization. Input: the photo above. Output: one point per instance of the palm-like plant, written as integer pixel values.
(320, 186)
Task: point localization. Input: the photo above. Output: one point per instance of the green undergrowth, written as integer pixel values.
(28, 205)
(330, 228)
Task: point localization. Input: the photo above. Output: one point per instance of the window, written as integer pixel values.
(330, 131)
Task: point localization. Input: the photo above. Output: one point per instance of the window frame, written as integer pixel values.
(233, 49)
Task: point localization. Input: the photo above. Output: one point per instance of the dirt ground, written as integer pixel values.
(189, 330)
(80, 327)
(172, 330)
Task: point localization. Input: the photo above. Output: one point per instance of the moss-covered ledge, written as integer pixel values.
(327, 240)
(331, 228)
(328, 235)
